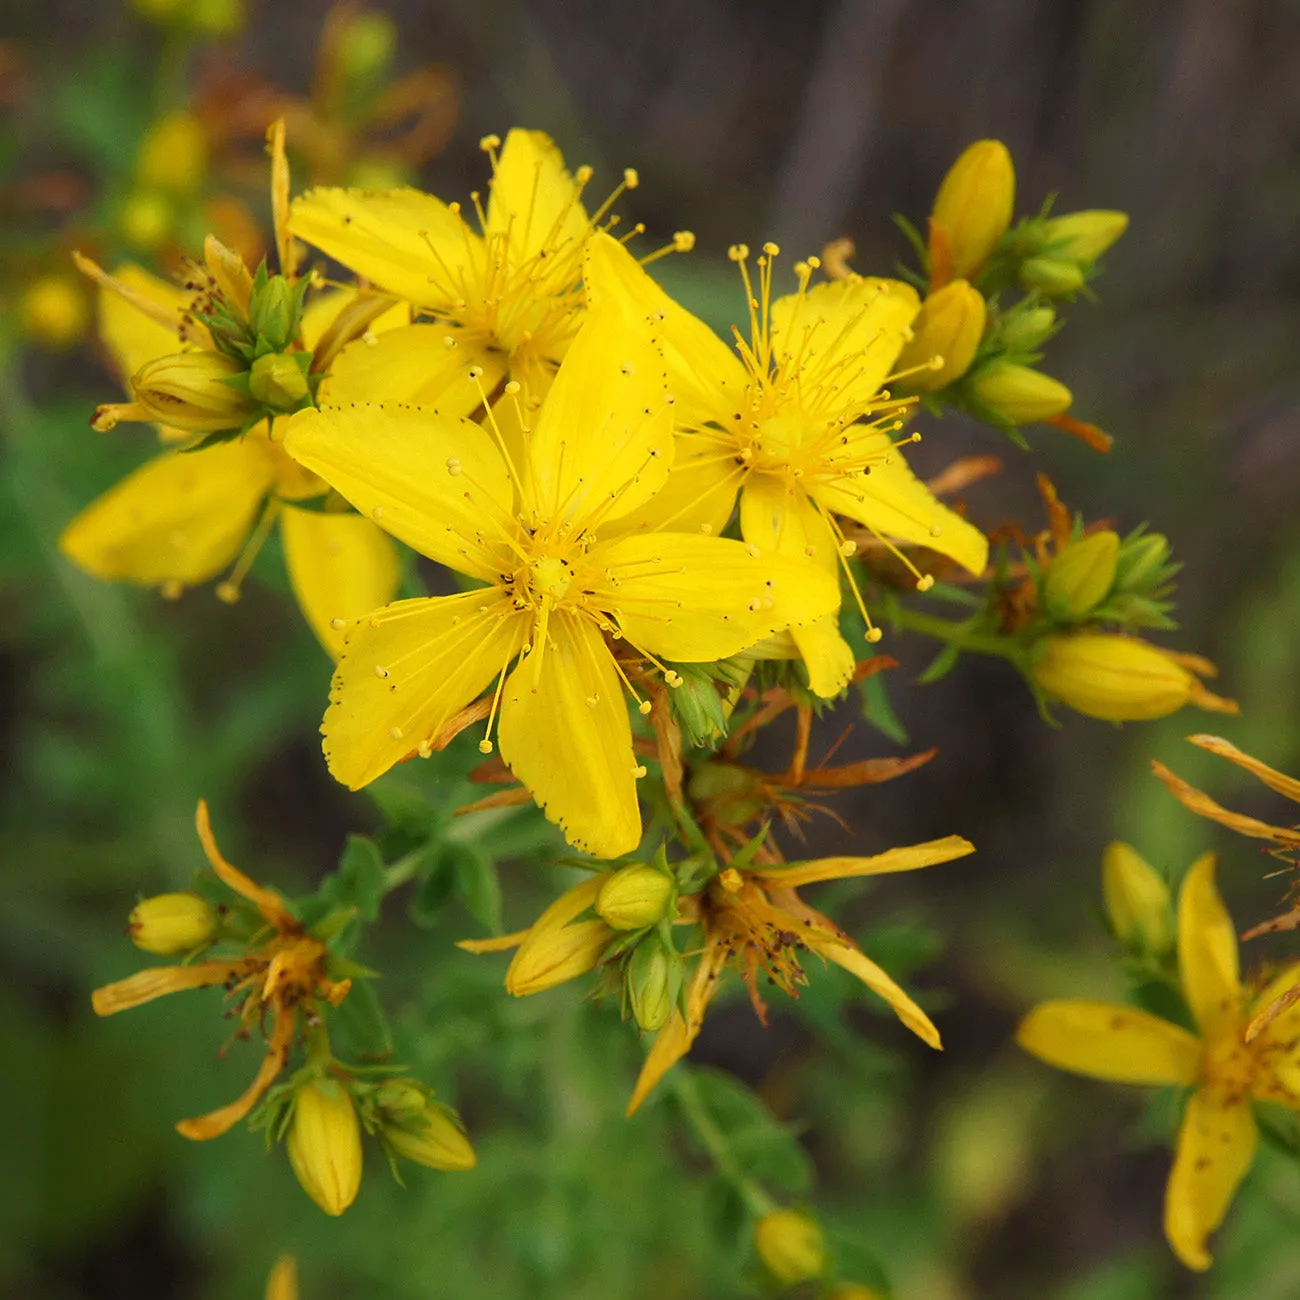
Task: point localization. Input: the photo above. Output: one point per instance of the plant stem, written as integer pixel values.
(714, 1141)
(957, 634)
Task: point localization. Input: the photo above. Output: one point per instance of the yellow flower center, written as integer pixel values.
(549, 578)
(1265, 1068)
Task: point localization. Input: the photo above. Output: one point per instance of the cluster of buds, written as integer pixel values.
(971, 349)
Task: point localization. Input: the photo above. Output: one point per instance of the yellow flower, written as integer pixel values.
(796, 423)
(755, 921)
(282, 1281)
(791, 1245)
(971, 211)
(183, 517)
(539, 516)
(1121, 678)
(324, 1144)
(279, 977)
(172, 924)
(53, 311)
(948, 328)
(173, 157)
(506, 298)
(1222, 1062)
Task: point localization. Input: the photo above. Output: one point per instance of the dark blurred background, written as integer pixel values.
(983, 1175)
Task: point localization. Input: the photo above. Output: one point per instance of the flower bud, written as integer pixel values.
(215, 17)
(171, 924)
(1137, 901)
(366, 47)
(653, 982)
(273, 312)
(1083, 236)
(277, 380)
(1117, 678)
(557, 948)
(949, 325)
(1054, 276)
(1026, 329)
(1141, 560)
(432, 1138)
(54, 312)
(186, 391)
(1081, 576)
(282, 1281)
(325, 1144)
(173, 158)
(401, 1097)
(634, 896)
(791, 1246)
(1018, 393)
(971, 211)
(145, 219)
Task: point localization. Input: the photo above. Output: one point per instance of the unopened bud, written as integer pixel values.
(54, 312)
(1137, 901)
(432, 1138)
(172, 924)
(972, 209)
(1055, 276)
(791, 1246)
(401, 1097)
(1019, 394)
(325, 1144)
(1083, 236)
(634, 896)
(273, 312)
(1141, 560)
(1117, 678)
(173, 157)
(282, 1281)
(366, 47)
(186, 391)
(1081, 576)
(278, 381)
(949, 325)
(558, 948)
(1027, 329)
(654, 982)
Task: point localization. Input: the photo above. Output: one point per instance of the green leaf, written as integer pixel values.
(359, 881)
(476, 882)
(435, 887)
(360, 1020)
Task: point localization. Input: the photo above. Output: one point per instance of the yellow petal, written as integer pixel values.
(433, 482)
(557, 947)
(1207, 950)
(705, 376)
(1106, 1040)
(910, 858)
(322, 310)
(158, 981)
(698, 496)
(1271, 777)
(777, 517)
(180, 517)
(131, 337)
(671, 1043)
(282, 1281)
(340, 566)
(1216, 1147)
(409, 243)
(858, 963)
(405, 670)
(1192, 798)
(894, 503)
(534, 199)
(697, 599)
(603, 442)
(855, 328)
(413, 365)
(267, 901)
(565, 734)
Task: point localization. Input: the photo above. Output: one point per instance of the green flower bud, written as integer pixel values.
(1019, 394)
(634, 896)
(1079, 578)
(273, 312)
(401, 1097)
(1028, 329)
(1141, 561)
(186, 391)
(1083, 236)
(325, 1144)
(653, 983)
(277, 381)
(172, 924)
(791, 1245)
(1051, 275)
(1137, 901)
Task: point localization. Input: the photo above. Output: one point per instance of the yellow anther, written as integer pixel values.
(731, 880)
(474, 374)
(377, 513)
(484, 746)
(771, 249)
(171, 589)
(338, 624)
(512, 388)
(738, 252)
(673, 678)
(227, 593)
(925, 582)
(630, 177)
(592, 701)
(453, 465)
(815, 262)
(639, 770)
(874, 634)
(643, 708)
(583, 174)
(380, 670)
(683, 240)
(448, 342)
(848, 547)
(490, 142)
(395, 732)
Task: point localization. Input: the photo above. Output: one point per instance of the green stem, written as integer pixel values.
(957, 634)
(398, 873)
(682, 1083)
